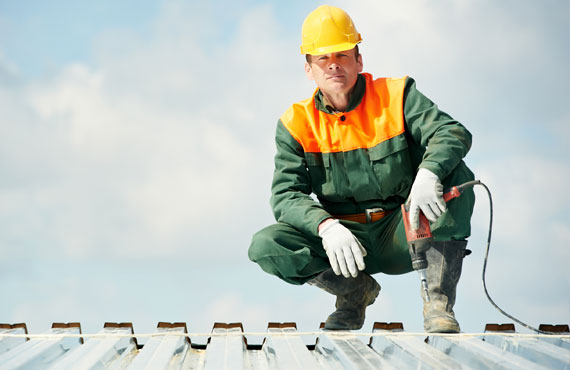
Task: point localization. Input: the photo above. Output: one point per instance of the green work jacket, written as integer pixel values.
(310, 186)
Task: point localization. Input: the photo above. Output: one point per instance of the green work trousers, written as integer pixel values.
(297, 257)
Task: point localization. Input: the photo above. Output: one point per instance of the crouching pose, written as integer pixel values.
(363, 146)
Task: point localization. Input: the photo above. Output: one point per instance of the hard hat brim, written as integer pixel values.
(308, 49)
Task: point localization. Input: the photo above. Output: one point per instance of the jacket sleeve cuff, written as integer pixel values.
(433, 167)
(315, 226)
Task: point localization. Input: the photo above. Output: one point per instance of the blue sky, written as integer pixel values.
(136, 149)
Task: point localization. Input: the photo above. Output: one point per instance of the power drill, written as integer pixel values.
(419, 241)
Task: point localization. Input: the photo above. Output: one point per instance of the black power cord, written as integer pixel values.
(477, 182)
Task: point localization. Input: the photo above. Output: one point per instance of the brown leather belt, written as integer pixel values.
(369, 216)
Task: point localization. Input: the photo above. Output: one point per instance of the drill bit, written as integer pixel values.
(423, 280)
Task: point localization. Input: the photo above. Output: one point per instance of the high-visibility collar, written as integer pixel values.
(378, 117)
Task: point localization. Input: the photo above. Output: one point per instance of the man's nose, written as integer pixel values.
(333, 62)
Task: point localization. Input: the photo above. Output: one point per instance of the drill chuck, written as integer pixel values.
(419, 264)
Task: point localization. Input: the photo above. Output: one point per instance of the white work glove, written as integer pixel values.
(427, 195)
(345, 252)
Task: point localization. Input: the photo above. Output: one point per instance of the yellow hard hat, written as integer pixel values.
(328, 29)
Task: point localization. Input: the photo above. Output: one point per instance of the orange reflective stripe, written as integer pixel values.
(379, 117)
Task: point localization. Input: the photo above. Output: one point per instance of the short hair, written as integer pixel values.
(356, 54)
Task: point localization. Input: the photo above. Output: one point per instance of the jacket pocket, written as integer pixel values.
(318, 165)
(392, 166)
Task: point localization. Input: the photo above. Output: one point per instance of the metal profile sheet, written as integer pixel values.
(225, 352)
(286, 350)
(408, 352)
(558, 342)
(163, 352)
(389, 346)
(7, 343)
(350, 351)
(40, 352)
(475, 353)
(532, 349)
(556, 329)
(256, 360)
(101, 352)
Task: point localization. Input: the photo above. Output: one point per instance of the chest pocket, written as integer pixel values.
(319, 167)
(392, 166)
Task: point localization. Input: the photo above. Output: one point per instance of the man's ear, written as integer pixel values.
(361, 67)
(309, 71)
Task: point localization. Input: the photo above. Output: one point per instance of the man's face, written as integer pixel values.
(334, 73)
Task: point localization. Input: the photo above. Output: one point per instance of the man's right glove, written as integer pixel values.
(427, 195)
(345, 252)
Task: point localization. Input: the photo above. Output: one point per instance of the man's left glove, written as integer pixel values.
(345, 252)
(427, 195)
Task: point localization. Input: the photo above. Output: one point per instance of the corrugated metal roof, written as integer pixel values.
(387, 346)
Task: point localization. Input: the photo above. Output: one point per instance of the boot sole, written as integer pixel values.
(441, 324)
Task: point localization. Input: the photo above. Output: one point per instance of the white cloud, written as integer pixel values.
(156, 146)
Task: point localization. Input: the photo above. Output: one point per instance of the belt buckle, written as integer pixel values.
(370, 211)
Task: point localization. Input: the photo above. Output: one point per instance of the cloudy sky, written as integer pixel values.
(136, 154)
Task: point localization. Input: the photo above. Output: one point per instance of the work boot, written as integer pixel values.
(353, 295)
(444, 269)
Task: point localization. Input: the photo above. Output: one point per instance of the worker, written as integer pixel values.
(347, 158)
